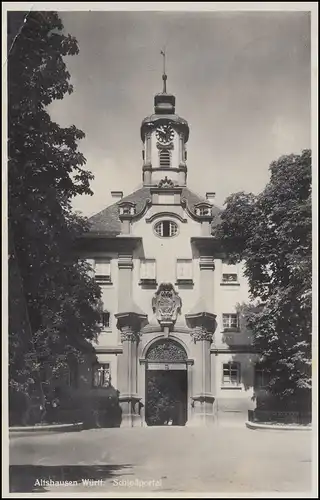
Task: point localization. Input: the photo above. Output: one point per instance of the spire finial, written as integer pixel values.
(164, 76)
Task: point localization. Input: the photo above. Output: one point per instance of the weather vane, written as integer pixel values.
(164, 76)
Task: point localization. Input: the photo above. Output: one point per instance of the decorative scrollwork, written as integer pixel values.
(166, 350)
(166, 183)
(200, 333)
(128, 334)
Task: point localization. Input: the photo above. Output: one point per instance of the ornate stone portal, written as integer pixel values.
(166, 304)
(166, 383)
(165, 351)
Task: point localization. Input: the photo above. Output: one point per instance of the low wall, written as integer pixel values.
(39, 429)
(232, 410)
(284, 417)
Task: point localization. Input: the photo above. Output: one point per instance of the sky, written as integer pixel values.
(241, 79)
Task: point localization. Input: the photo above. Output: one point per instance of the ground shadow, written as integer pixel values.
(33, 478)
(95, 408)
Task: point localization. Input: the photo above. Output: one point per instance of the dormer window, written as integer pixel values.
(203, 210)
(127, 208)
(165, 158)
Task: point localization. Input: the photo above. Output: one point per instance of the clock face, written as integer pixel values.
(165, 134)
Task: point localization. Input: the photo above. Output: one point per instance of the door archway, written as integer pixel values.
(166, 383)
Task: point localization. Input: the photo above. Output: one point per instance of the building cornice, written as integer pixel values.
(237, 349)
(97, 242)
(207, 244)
(109, 350)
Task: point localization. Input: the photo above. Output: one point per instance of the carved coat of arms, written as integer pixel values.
(166, 304)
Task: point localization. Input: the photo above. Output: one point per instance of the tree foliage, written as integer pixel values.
(45, 171)
(272, 234)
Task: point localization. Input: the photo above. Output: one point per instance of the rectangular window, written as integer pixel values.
(69, 374)
(148, 270)
(261, 377)
(105, 319)
(103, 271)
(72, 375)
(230, 274)
(101, 375)
(229, 278)
(184, 270)
(230, 321)
(231, 374)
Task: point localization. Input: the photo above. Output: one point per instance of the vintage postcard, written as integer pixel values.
(159, 270)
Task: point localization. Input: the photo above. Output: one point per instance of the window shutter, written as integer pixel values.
(102, 268)
(184, 269)
(148, 269)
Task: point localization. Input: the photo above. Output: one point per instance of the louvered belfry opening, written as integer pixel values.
(165, 158)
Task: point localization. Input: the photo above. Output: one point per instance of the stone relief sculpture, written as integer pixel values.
(166, 304)
(166, 183)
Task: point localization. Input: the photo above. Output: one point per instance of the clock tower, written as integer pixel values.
(164, 135)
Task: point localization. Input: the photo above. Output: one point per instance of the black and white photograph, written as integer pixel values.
(159, 249)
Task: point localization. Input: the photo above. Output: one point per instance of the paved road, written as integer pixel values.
(163, 459)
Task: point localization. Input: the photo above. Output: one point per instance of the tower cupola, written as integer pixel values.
(164, 135)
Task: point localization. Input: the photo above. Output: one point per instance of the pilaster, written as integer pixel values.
(125, 266)
(147, 170)
(130, 325)
(202, 325)
(206, 265)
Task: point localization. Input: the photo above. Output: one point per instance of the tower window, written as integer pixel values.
(166, 229)
(165, 158)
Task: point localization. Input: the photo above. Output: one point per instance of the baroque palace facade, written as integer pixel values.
(172, 342)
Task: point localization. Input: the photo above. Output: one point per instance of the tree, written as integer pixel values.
(272, 234)
(45, 171)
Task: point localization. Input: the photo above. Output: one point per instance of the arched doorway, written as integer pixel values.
(166, 384)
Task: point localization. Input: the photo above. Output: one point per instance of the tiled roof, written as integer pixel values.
(107, 221)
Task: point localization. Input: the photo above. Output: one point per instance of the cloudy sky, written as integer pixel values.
(242, 80)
